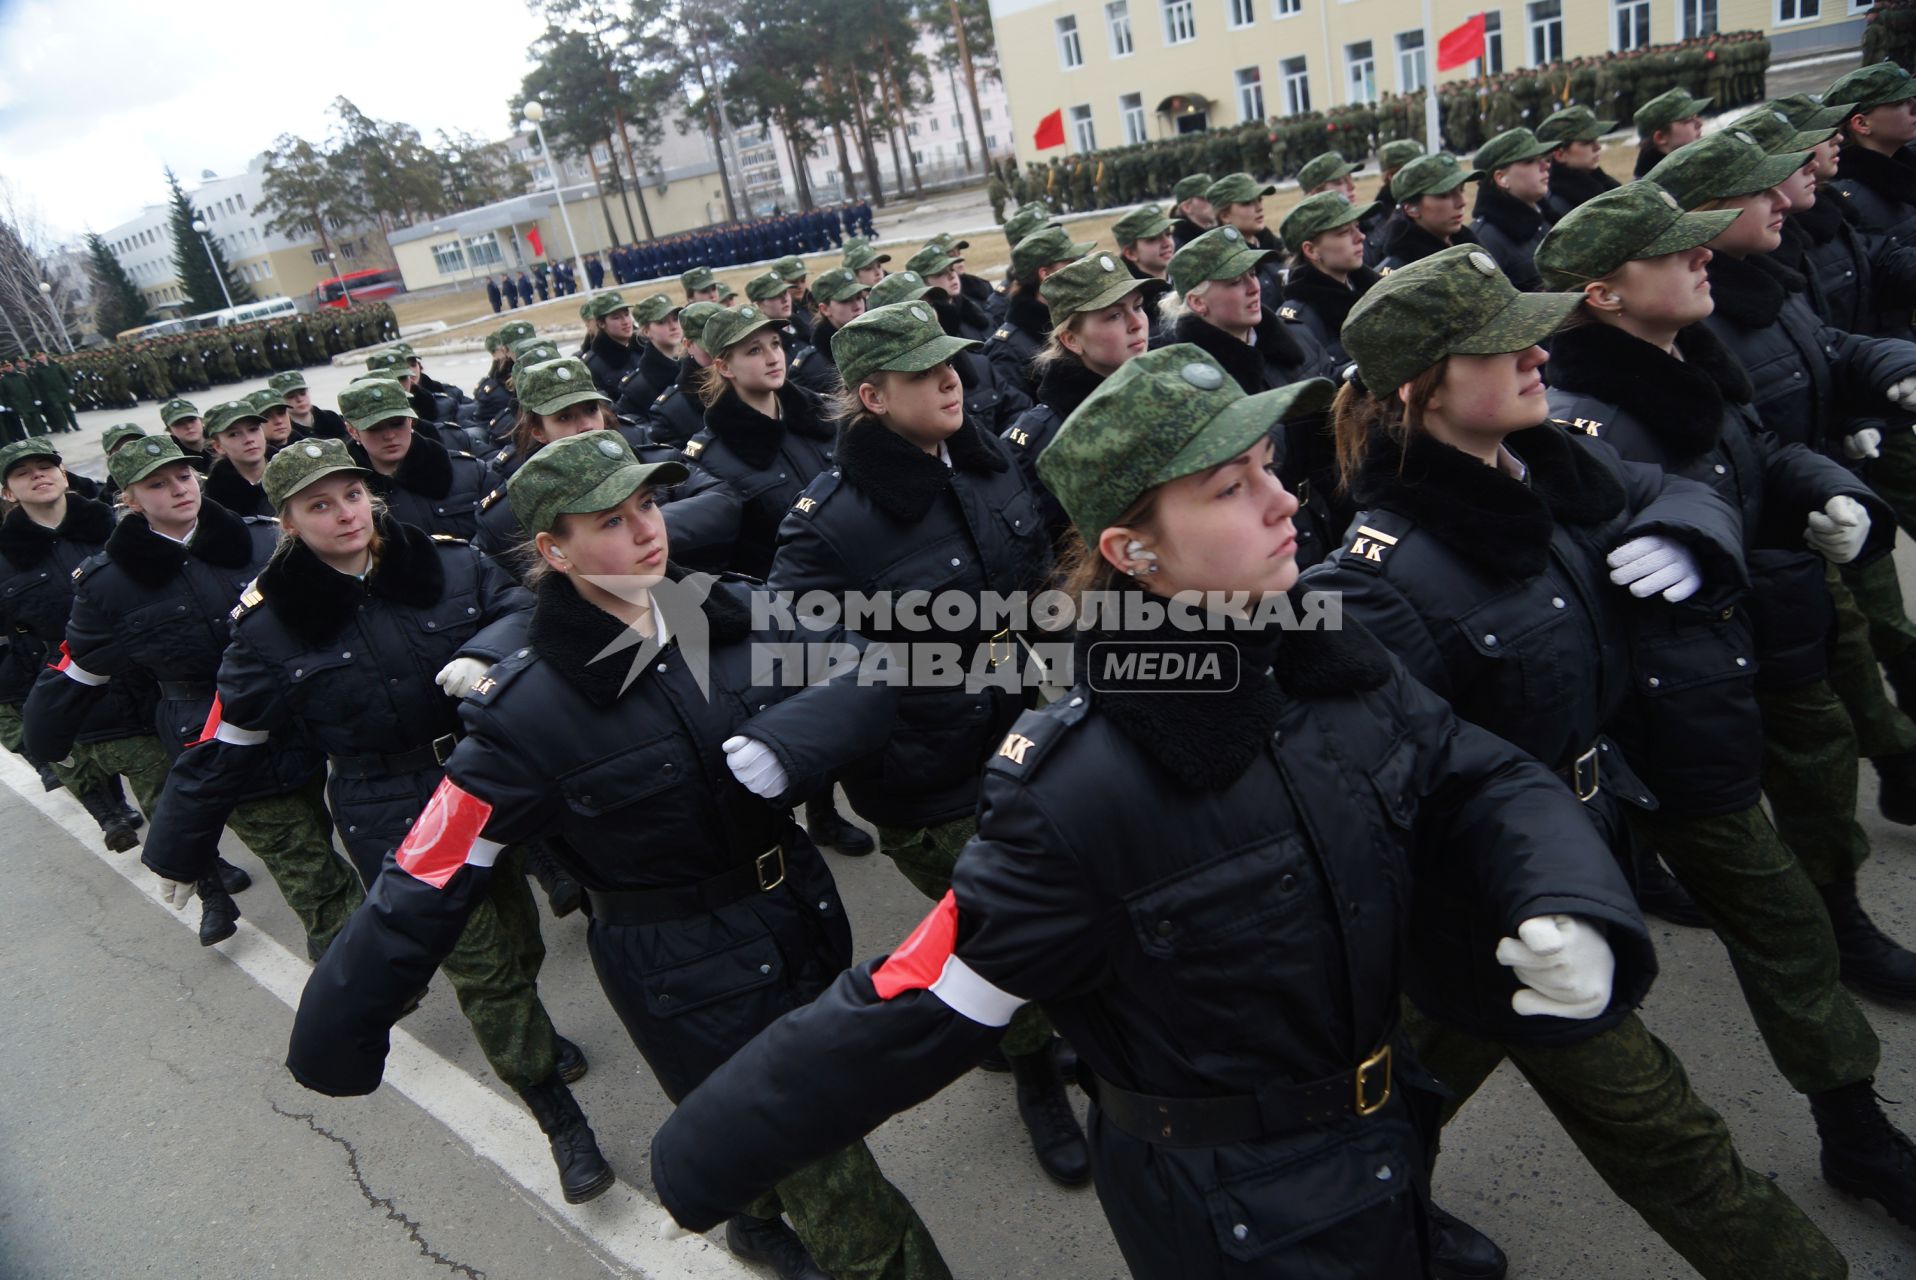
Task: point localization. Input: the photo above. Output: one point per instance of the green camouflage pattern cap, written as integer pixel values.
(516, 331)
(1722, 166)
(1094, 281)
(769, 285)
(1146, 222)
(726, 293)
(551, 385)
(1638, 220)
(838, 285)
(494, 341)
(1314, 215)
(177, 411)
(931, 260)
(861, 255)
(791, 268)
(24, 451)
(136, 462)
(390, 363)
(1866, 88)
(228, 414)
(1191, 184)
(267, 401)
(729, 328)
(1453, 303)
(950, 243)
(601, 305)
(306, 461)
(655, 308)
(287, 383)
(1398, 152)
(1168, 413)
(695, 317)
(1775, 133)
(592, 471)
(1222, 253)
(1027, 219)
(370, 401)
(1328, 167)
(1573, 124)
(904, 337)
(118, 434)
(901, 286)
(1666, 109)
(535, 351)
(1237, 188)
(1431, 176)
(405, 349)
(696, 279)
(1042, 248)
(1512, 146)
(1808, 111)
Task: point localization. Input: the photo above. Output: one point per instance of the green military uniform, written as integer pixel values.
(17, 393)
(55, 390)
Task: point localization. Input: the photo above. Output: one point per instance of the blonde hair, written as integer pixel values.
(1173, 306)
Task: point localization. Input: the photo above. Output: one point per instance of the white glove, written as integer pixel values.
(1651, 564)
(1564, 964)
(458, 676)
(1838, 536)
(755, 767)
(1903, 394)
(178, 894)
(1866, 443)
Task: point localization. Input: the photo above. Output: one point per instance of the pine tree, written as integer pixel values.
(118, 304)
(190, 263)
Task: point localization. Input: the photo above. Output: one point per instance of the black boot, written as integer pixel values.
(1660, 893)
(1863, 1153)
(1896, 787)
(219, 914)
(1458, 1251)
(49, 780)
(114, 832)
(571, 1059)
(829, 830)
(1046, 1109)
(563, 893)
(232, 879)
(583, 1173)
(769, 1242)
(1872, 963)
(131, 816)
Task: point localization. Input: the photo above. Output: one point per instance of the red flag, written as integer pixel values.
(1050, 131)
(538, 245)
(1461, 45)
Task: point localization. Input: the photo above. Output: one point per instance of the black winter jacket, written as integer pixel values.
(765, 463)
(990, 400)
(1570, 188)
(1413, 244)
(1857, 283)
(1016, 343)
(1320, 304)
(1510, 231)
(434, 488)
(226, 486)
(610, 361)
(645, 382)
(677, 415)
(1065, 385)
(1878, 193)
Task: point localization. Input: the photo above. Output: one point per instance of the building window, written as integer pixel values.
(911, 130)
(1081, 130)
(1239, 13)
(1297, 86)
(1131, 115)
(1250, 94)
(1633, 24)
(345, 251)
(319, 257)
(483, 251)
(934, 124)
(1180, 21)
(1070, 52)
(1492, 63)
(986, 113)
(1546, 30)
(449, 258)
(1411, 66)
(957, 120)
(1117, 25)
(1699, 18)
(1798, 10)
(1286, 8)
(1362, 67)
(266, 268)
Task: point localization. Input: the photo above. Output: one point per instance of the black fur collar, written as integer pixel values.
(976, 288)
(425, 470)
(221, 540)
(1413, 244)
(1244, 362)
(570, 633)
(1507, 213)
(1572, 187)
(961, 317)
(688, 379)
(902, 479)
(25, 544)
(1500, 523)
(822, 331)
(226, 486)
(1066, 384)
(1681, 402)
(1750, 292)
(1136, 274)
(657, 368)
(753, 436)
(616, 354)
(1893, 176)
(315, 601)
(1028, 312)
(1329, 299)
(1821, 221)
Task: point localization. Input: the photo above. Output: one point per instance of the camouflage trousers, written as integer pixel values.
(292, 834)
(1809, 775)
(1774, 925)
(927, 855)
(140, 759)
(1623, 1098)
(1872, 627)
(494, 972)
(857, 1225)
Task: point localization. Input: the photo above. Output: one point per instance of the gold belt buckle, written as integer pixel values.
(1585, 774)
(776, 852)
(1379, 1063)
(1009, 652)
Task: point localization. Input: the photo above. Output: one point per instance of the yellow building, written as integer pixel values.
(1125, 71)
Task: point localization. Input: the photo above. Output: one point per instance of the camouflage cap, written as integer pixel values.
(592, 471)
(228, 414)
(655, 308)
(515, 331)
(695, 317)
(601, 305)
(1094, 281)
(729, 328)
(1191, 184)
(1222, 253)
(305, 461)
(534, 351)
(791, 269)
(267, 401)
(1166, 414)
(551, 385)
(1237, 188)
(901, 286)
(177, 411)
(861, 255)
(904, 337)
(23, 451)
(1328, 167)
(1027, 219)
(405, 349)
(949, 242)
(135, 463)
(1314, 215)
(1434, 175)
(1042, 248)
(1808, 111)
(1573, 124)
(838, 285)
(1146, 222)
(118, 434)
(495, 340)
(370, 401)
(1512, 146)
(769, 285)
(1624, 224)
(1455, 302)
(1398, 152)
(388, 362)
(1721, 166)
(1666, 109)
(697, 279)
(931, 260)
(1775, 134)
(287, 383)
(726, 293)
(1866, 88)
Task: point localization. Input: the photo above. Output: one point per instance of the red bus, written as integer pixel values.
(362, 286)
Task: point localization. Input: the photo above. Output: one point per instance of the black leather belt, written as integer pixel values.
(430, 756)
(1279, 1109)
(654, 906)
(1583, 775)
(187, 690)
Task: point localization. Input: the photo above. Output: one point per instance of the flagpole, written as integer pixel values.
(1431, 139)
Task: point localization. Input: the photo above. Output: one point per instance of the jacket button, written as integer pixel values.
(1240, 1232)
(1655, 683)
(1728, 613)
(1722, 470)
(470, 611)
(298, 672)
(824, 905)
(1166, 929)
(1384, 1173)
(660, 667)
(1742, 662)
(1797, 374)
(347, 655)
(587, 799)
(765, 968)
(667, 767)
(955, 562)
(1491, 641)
(432, 626)
(1287, 883)
(1556, 602)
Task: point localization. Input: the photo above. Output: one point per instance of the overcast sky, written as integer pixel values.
(96, 96)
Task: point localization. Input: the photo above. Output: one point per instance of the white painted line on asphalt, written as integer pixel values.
(624, 1224)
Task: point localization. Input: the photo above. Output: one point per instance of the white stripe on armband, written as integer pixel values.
(971, 996)
(483, 853)
(235, 736)
(80, 675)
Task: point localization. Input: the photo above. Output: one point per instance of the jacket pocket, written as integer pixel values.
(625, 778)
(715, 977)
(1283, 1205)
(1201, 911)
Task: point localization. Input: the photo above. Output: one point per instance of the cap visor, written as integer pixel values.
(935, 352)
(1153, 230)
(1689, 231)
(1124, 288)
(1524, 321)
(1773, 171)
(1450, 182)
(150, 467)
(1242, 425)
(384, 415)
(622, 484)
(763, 322)
(308, 481)
(1528, 153)
(244, 417)
(29, 457)
(572, 396)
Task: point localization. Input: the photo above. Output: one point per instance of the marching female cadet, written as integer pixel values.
(678, 414)
(712, 914)
(1017, 342)
(987, 400)
(1153, 862)
(276, 420)
(236, 434)
(1326, 238)
(423, 483)
(1489, 558)
(920, 499)
(339, 641)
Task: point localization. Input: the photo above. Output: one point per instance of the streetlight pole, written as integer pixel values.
(213, 262)
(535, 114)
(332, 261)
(59, 321)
